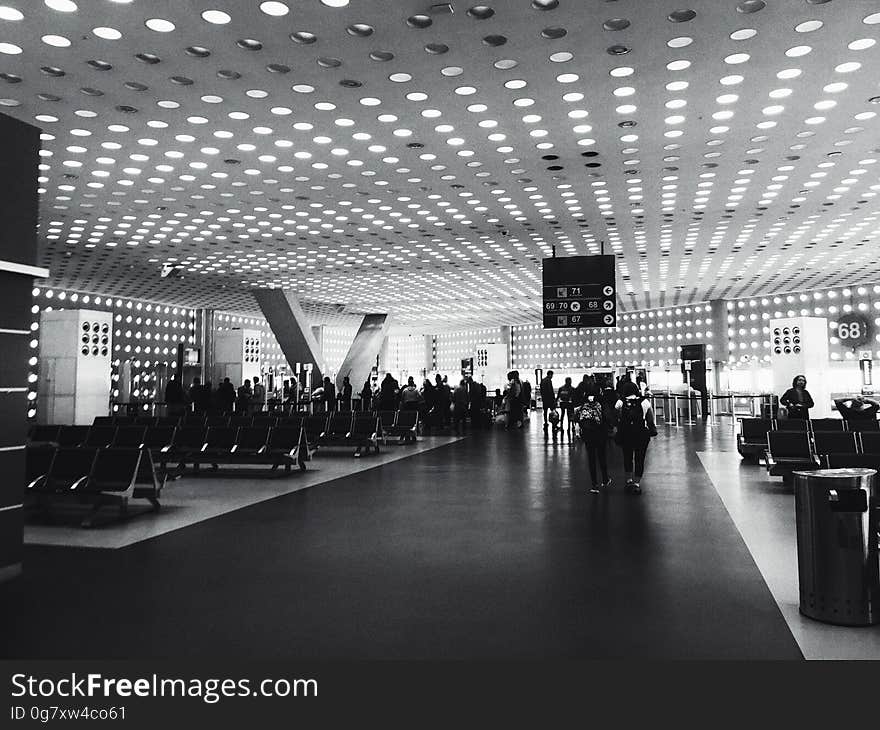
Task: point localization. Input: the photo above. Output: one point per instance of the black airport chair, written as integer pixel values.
(119, 420)
(146, 420)
(295, 422)
(751, 441)
(835, 442)
(115, 470)
(338, 428)
(159, 439)
(251, 441)
(217, 420)
(827, 424)
(863, 424)
(195, 418)
(104, 421)
(166, 421)
(788, 451)
(406, 426)
(365, 432)
(314, 426)
(100, 437)
(852, 461)
(792, 424)
(69, 436)
(287, 446)
(130, 437)
(240, 421)
(218, 443)
(188, 440)
(38, 461)
(870, 442)
(265, 420)
(70, 468)
(44, 434)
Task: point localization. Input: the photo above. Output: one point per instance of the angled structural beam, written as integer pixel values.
(292, 330)
(362, 354)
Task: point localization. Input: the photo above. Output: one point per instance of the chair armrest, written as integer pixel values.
(40, 480)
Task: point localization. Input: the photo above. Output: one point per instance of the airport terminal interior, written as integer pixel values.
(373, 329)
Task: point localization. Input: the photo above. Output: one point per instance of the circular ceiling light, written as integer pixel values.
(108, 34)
(334, 3)
(861, 44)
(58, 41)
(216, 17)
(274, 8)
(808, 26)
(743, 34)
(62, 6)
(10, 13)
(160, 25)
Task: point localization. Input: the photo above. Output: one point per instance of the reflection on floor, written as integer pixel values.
(491, 547)
(763, 511)
(190, 500)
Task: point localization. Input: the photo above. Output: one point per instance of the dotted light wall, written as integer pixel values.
(450, 348)
(647, 338)
(748, 320)
(270, 350)
(145, 333)
(406, 354)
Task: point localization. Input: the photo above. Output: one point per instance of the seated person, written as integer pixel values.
(858, 408)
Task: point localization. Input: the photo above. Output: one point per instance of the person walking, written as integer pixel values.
(258, 399)
(594, 426)
(175, 398)
(328, 396)
(429, 407)
(410, 398)
(797, 399)
(565, 394)
(512, 404)
(344, 396)
(459, 407)
(388, 393)
(225, 396)
(443, 399)
(548, 396)
(526, 398)
(243, 401)
(635, 428)
(367, 396)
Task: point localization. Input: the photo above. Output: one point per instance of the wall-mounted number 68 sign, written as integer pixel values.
(853, 330)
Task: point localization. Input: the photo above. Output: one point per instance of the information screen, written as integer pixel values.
(579, 291)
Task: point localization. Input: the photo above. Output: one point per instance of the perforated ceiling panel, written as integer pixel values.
(398, 157)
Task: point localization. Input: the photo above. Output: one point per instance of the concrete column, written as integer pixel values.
(371, 338)
(292, 330)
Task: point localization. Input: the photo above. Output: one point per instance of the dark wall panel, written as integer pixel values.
(19, 158)
(19, 202)
(13, 431)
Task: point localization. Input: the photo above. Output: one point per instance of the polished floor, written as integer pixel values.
(490, 547)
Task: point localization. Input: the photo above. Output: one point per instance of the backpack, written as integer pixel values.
(632, 417)
(591, 415)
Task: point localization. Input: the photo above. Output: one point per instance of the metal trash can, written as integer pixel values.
(838, 527)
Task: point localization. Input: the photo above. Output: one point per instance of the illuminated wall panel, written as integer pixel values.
(144, 333)
(649, 338)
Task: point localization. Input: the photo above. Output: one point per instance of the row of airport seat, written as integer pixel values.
(403, 424)
(788, 451)
(92, 476)
(751, 441)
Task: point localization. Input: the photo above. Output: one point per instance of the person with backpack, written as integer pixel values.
(565, 395)
(594, 426)
(635, 428)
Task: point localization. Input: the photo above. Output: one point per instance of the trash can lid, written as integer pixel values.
(837, 473)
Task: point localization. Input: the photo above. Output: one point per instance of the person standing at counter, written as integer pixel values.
(797, 398)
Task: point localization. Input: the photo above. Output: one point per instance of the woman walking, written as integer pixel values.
(594, 427)
(635, 427)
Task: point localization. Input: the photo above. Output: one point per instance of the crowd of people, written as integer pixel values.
(599, 414)
(204, 398)
(440, 406)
